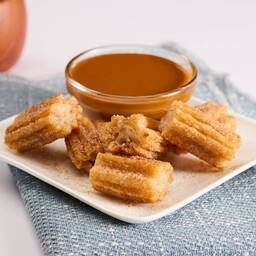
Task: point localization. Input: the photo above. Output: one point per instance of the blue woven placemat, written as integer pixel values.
(222, 222)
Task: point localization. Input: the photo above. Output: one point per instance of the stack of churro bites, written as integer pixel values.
(122, 156)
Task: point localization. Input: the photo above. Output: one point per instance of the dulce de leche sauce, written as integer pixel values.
(130, 74)
(127, 83)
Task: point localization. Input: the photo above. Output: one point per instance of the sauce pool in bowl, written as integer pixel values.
(130, 79)
(130, 74)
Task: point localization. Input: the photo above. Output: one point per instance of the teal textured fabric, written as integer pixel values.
(222, 222)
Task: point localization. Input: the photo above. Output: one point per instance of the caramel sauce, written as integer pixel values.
(129, 74)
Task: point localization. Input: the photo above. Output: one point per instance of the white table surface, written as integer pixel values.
(221, 32)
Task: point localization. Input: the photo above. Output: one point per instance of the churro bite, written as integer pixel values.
(197, 133)
(135, 179)
(133, 136)
(218, 112)
(43, 123)
(83, 144)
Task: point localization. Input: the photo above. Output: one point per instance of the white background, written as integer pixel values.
(221, 32)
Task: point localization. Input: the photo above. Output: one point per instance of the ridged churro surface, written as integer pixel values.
(197, 133)
(83, 144)
(43, 123)
(218, 112)
(215, 111)
(134, 136)
(135, 179)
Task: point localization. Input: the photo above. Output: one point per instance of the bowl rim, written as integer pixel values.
(112, 97)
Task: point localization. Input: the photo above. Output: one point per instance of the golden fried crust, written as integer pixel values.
(83, 144)
(215, 111)
(131, 136)
(218, 112)
(212, 109)
(139, 180)
(43, 123)
(194, 132)
(107, 133)
(229, 121)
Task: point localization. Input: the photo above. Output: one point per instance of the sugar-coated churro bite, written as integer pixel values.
(135, 179)
(214, 111)
(199, 134)
(43, 123)
(133, 135)
(83, 144)
(218, 112)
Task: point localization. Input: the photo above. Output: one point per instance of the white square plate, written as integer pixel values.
(52, 165)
